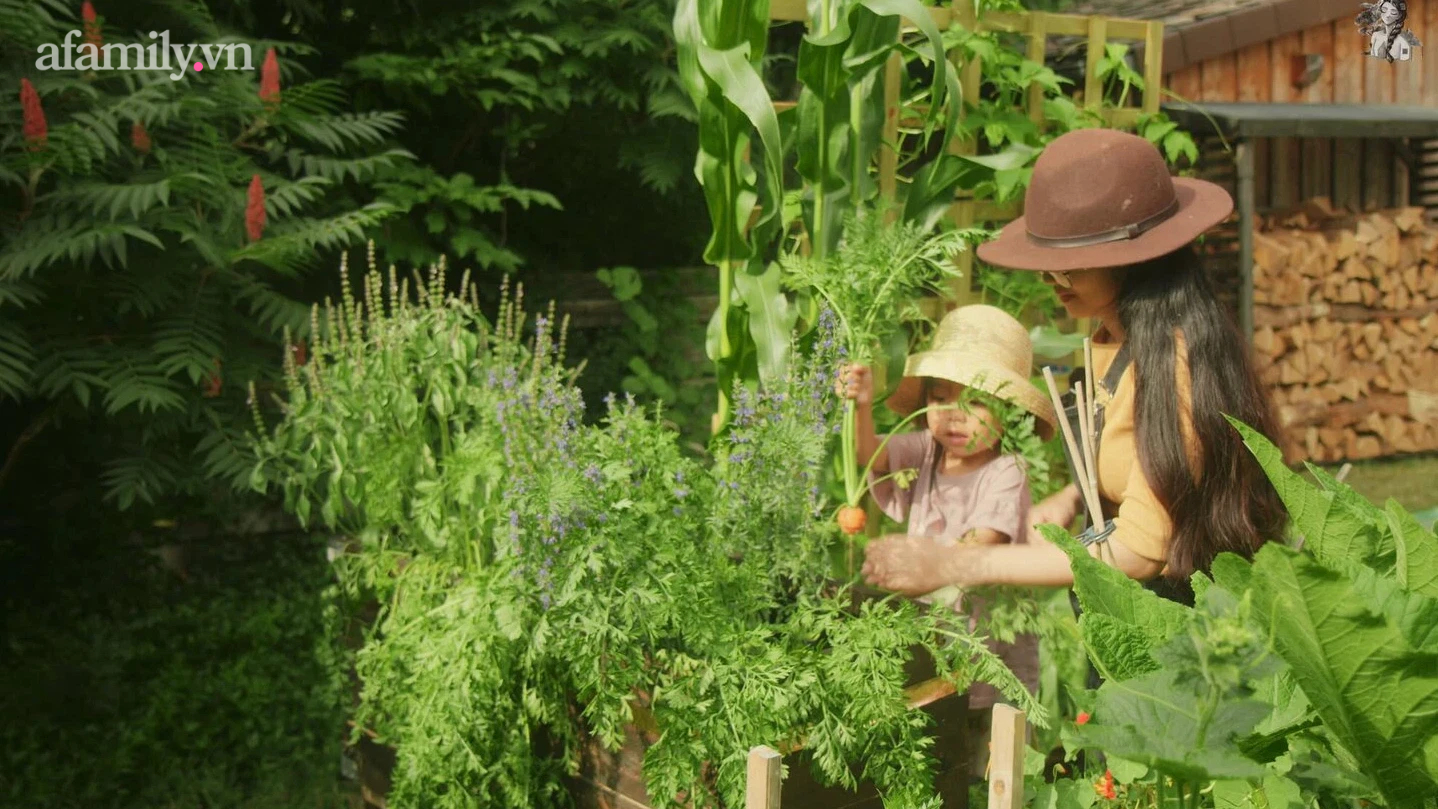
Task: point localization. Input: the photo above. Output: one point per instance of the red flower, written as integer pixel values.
(139, 138)
(213, 384)
(1104, 786)
(1082, 718)
(92, 29)
(35, 129)
(270, 81)
(255, 210)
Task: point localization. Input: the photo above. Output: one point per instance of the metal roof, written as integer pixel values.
(1173, 13)
(1253, 120)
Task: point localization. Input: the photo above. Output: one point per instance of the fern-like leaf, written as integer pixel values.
(16, 358)
(142, 477)
(297, 244)
(110, 199)
(338, 132)
(338, 169)
(74, 370)
(144, 388)
(46, 241)
(190, 342)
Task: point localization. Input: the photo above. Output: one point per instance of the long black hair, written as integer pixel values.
(1230, 505)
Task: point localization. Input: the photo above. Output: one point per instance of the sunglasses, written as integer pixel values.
(1060, 278)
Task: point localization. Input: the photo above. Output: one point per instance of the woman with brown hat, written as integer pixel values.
(1113, 233)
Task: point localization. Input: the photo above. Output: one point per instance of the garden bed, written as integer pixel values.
(615, 779)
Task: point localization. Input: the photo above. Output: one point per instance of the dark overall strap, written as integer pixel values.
(1110, 383)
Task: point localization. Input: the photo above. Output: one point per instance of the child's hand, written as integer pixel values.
(1059, 509)
(856, 382)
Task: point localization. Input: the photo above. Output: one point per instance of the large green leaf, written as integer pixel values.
(1333, 528)
(1373, 691)
(1120, 650)
(1272, 792)
(919, 15)
(1106, 590)
(1415, 615)
(743, 87)
(771, 320)
(1157, 720)
(931, 194)
(1415, 551)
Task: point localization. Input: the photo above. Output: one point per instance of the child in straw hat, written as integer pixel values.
(971, 488)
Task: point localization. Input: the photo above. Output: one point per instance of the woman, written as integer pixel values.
(1112, 231)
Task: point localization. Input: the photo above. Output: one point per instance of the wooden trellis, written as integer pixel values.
(1038, 27)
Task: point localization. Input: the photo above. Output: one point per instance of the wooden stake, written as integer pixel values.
(1085, 443)
(1006, 759)
(1091, 384)
(1074, 452)
(764, 778)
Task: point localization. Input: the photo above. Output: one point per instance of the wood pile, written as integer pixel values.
(1346, 330)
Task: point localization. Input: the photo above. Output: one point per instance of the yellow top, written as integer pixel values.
(1141, 523)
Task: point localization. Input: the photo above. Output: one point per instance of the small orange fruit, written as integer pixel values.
(852, 519)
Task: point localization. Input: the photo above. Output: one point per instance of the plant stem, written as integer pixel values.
(870, 465)
(850, 449)
(726, 287)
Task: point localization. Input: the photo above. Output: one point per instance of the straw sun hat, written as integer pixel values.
(1103, 198)
(981, 347)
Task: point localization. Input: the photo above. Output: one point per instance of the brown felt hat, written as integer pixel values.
(1104, 198)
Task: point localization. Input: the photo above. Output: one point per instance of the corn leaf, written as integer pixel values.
(771, 320)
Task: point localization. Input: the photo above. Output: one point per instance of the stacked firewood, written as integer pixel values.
(1346, 330)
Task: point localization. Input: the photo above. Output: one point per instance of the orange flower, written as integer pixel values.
(1082, 718)
(35, 129)
(270, 81)
(1104, 786)
(92, 29)
(139, 138)
(255, 210)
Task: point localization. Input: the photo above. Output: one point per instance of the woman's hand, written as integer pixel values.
(856, 382)
(910, 565)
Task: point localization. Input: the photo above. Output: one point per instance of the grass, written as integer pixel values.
(1412, 481)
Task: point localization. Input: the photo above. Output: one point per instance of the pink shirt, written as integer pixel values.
(945, 507)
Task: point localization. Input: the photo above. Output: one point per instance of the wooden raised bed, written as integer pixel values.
(616, 780)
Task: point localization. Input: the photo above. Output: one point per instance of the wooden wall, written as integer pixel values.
(1356, 174)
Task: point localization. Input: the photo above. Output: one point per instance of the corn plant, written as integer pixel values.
(721, 44)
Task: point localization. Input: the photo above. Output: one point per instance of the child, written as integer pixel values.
(967, 490)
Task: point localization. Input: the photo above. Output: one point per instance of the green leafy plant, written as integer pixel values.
(657, 353)
(1303, 674)
(871, 284)
(126, 688)
(155, 244)
(610, 579)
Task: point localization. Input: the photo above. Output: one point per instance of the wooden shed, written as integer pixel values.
(1302, 52)
(1331, 260)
